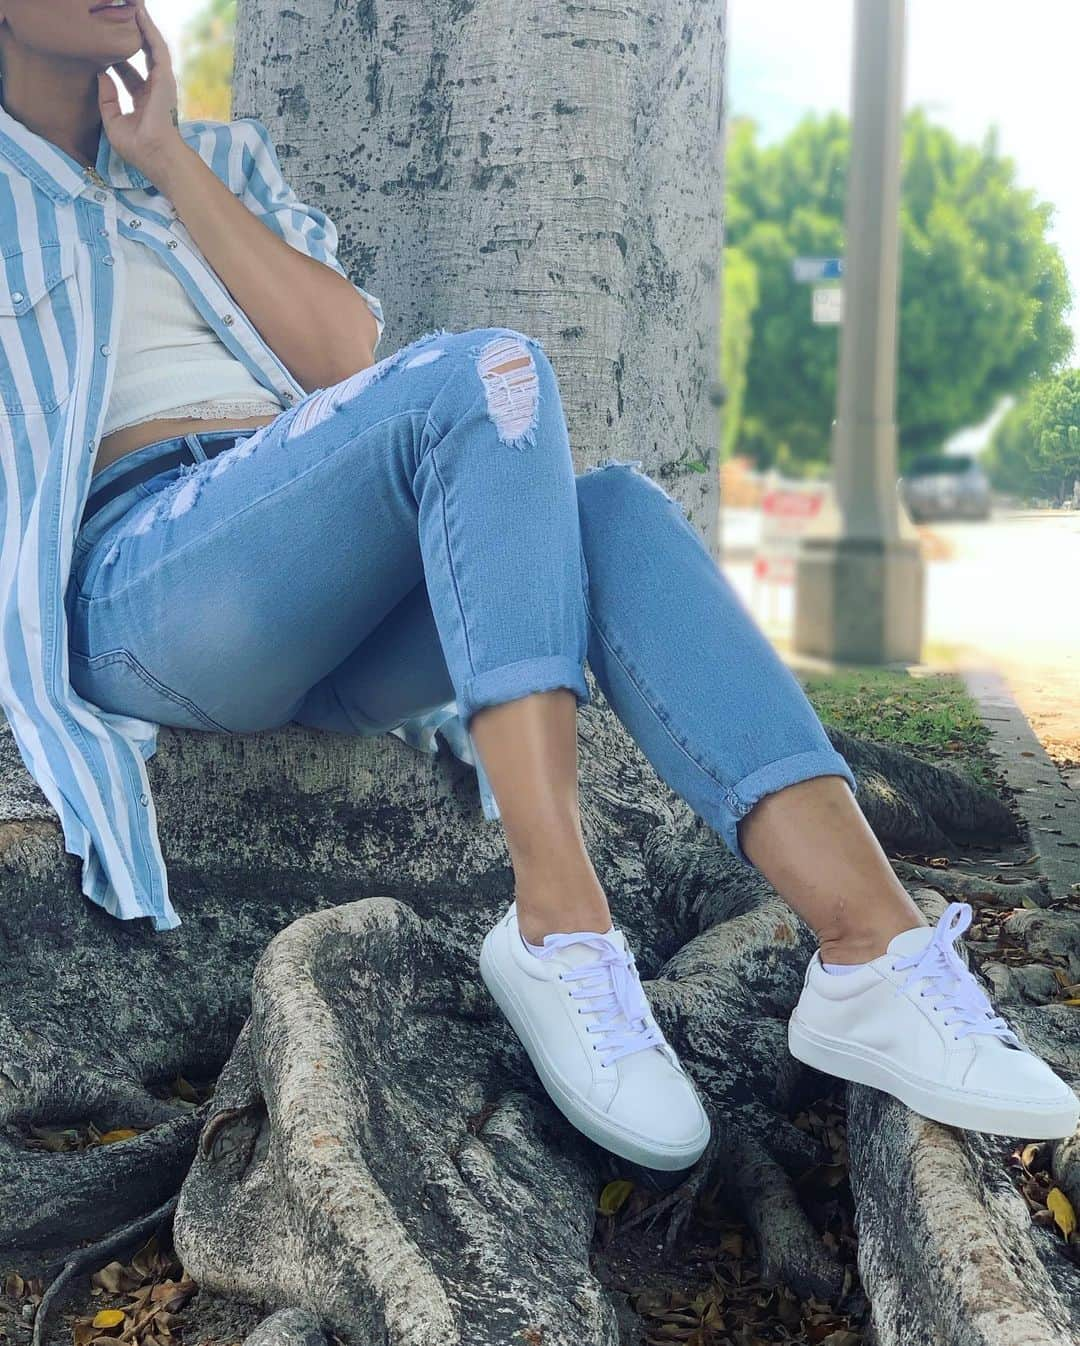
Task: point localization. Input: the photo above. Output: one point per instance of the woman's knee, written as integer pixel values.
(621, 492)
(495, 347)
(511, 377)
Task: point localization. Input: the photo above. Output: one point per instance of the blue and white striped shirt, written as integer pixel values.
(61, 294)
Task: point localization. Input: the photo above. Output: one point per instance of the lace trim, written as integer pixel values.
(244, 406)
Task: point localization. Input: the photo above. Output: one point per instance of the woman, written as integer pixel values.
(271, 527)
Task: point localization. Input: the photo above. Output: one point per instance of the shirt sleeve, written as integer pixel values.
(305, 227)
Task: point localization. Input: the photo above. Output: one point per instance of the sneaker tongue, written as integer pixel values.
(914, 941)
(910, 941)
(576, 954)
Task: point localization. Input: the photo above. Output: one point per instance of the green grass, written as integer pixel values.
(931, 716)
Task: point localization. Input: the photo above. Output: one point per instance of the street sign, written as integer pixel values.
(809, 270)
(789, 511)
(828, 305)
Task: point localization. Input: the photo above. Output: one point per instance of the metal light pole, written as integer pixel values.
(860, 595)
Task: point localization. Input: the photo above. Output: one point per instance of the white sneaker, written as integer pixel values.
(582, 1016)
(917, 1024)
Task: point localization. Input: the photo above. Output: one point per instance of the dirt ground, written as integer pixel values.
(1051, 702)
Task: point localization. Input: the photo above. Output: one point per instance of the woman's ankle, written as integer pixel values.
(859, 946)
(542, 911)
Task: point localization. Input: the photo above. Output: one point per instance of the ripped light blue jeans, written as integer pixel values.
(416, 534)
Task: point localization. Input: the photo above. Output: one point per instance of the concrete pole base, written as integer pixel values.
(859, 600)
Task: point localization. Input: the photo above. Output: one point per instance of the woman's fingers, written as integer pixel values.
(133, 80)
(154, 42)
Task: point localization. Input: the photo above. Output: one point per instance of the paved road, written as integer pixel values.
(1004, 593)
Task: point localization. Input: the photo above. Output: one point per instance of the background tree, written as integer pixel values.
(1007, 459)
(1054, 418)
(206, 59)
(983, 289)
(740, 299)
(1036, 450)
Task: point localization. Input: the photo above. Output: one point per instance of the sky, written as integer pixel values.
(171, 16)
(970, 63)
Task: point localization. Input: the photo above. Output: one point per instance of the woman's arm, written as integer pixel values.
(311, 316)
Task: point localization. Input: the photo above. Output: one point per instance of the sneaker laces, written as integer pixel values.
(951, 980)
(611, 979)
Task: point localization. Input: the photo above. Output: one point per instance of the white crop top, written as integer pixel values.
(170, 361)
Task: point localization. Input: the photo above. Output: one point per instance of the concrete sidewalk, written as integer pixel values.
(1049, 806)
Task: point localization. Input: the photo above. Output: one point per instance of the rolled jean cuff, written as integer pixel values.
(773, 776)
(510, 681)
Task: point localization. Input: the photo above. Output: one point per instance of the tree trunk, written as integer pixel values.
(553, 169)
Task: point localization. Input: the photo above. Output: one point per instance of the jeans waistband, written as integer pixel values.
(141, 464)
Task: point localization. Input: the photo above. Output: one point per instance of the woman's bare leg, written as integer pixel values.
(814, 845)
(810, 839)
(530, 753)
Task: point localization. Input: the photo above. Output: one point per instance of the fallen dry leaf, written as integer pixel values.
(1060, 1207)
(614, 1196)
(108, 1318)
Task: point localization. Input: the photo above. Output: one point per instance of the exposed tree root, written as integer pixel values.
(378, 1151)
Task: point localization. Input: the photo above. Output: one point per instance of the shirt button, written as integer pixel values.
(99, 196)
(106, 350)
(171, 243)
(90, 445)
(17, 297)
(144, 799)
(135, 224)
(104, 233)
(227, 318)
(108, 261)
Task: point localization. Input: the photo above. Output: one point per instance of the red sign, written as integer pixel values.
(793, 504)
(778, 569)
(789, 511)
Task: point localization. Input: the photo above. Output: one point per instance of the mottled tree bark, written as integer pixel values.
(554, 167)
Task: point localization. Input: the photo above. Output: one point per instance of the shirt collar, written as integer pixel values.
(54, 170)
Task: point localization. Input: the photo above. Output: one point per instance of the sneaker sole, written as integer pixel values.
(588, 1121)
(950, 1107)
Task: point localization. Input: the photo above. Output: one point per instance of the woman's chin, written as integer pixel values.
(121, 48)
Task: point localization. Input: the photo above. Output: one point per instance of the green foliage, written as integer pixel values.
(1054, 423)
(1036, 450)
(1007, 460)
(736, 327)
(983, 290)
(205, 60)
(932, 716)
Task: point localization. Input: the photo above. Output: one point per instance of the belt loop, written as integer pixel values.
(191, 439)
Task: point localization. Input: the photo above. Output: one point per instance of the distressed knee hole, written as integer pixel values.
(512, 388)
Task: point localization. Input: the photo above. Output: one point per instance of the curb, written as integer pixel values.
(1049, 808)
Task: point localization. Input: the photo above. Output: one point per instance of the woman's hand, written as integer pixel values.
(147, 135)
